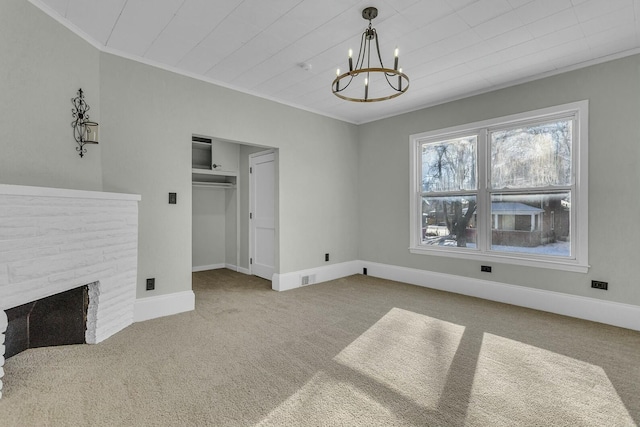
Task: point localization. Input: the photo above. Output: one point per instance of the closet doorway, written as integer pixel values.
(221, 234)
(215, 203)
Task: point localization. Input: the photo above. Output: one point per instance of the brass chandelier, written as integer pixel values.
(380, 82)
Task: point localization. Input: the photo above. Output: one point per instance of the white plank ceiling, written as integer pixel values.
(449, 48)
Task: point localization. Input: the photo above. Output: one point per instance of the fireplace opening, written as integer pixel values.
(60, 319)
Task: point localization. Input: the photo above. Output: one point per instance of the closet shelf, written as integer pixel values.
(202, 171)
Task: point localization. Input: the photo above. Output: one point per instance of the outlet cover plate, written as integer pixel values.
(596, 284)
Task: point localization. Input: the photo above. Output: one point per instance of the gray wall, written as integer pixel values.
(613, 90)
(343, 189)
(231, 226)
(148, 116)
(42, 66)
(209, 241)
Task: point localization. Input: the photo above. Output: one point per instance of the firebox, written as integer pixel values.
(60, 319)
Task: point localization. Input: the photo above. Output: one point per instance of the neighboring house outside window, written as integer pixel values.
(511, 189)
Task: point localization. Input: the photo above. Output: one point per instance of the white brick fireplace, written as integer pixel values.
(53, 240)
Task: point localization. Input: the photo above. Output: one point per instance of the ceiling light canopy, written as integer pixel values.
(377, 83)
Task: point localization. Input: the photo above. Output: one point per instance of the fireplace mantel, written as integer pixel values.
(53, 240)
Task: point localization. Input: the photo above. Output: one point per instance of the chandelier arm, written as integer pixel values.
(386, 76)
(347, 85)
(368, 49)
(339, 78)
(378, 48)
(363, 47)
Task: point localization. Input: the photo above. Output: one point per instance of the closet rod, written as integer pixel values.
(223, 185)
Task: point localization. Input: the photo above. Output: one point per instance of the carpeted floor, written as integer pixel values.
(358, 351)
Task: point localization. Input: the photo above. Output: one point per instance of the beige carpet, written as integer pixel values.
(358, 351)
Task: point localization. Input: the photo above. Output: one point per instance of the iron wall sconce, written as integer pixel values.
(84, 130)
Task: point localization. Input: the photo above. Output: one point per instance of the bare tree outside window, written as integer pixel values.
(449, 167)
(532, 164)
(532, 156)
(512, 188)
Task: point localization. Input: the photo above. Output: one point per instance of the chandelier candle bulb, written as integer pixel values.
(399, 79)
(395, 61)
(366, 88)
(338, 81)
(350, 60)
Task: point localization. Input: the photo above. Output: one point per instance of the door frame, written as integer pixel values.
(276, 213)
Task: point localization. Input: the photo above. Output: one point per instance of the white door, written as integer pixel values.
(262, 224)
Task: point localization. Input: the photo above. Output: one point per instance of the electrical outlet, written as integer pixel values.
(326, 257)
(485, 268)
(596, 284)
(151, 284)
(173, 198)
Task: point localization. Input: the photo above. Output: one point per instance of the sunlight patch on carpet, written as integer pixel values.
(325, 400)
(529, 383)
(407, 352)
(412, 369)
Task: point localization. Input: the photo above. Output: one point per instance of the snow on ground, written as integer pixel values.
(553, 249)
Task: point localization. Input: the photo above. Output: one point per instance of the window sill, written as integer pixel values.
(470, 254)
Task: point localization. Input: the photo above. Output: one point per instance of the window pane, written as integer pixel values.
(532, 156)
(449, 165)
(449, 221)
(533, 223)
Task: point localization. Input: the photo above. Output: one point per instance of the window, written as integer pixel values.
(511, 189)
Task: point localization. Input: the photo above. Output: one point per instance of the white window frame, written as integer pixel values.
(578, 261)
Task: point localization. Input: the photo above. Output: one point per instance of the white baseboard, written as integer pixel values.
(611, 313)
(163, 305)
(217, 266)
(207, 267)
(608, 312)
(238, 269)
(244, 271)
(286, 281)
